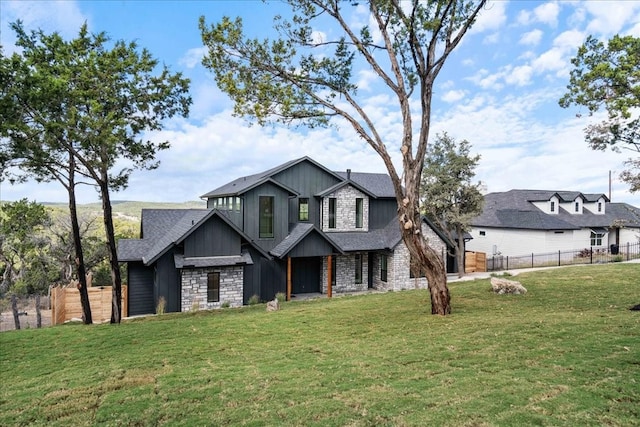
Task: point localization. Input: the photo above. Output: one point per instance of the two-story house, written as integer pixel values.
(297, 228)
(519, 222)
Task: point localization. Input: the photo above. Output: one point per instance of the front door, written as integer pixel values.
(305, 275)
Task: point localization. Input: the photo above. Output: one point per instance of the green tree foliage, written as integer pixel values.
(83, 107)
(608, 77)
(24, 248)
(449, 197)
(297, 78)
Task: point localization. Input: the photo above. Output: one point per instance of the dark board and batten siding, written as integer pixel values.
(308, 180)
(213, 238)
(140, 292)
(381, 211)
(280, 214)
(311, 246)
(168, 283)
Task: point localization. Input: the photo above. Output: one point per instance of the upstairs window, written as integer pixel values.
(332, 212)
(266, 217)
(358, 275)
(303, 209)
(359, 212)
(599, 206)
(577, 207)
(213, 287)
(553, 206)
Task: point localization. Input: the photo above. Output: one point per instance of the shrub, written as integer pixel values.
(162, 304)
(282, 297)
(255, 299)
(617, 258)
(225, 304)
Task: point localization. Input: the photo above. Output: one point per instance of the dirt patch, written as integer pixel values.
(27, 320)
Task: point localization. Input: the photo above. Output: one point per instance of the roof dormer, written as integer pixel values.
(596, 205)
(576, 206)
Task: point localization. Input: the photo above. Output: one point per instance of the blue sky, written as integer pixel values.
(498, 90)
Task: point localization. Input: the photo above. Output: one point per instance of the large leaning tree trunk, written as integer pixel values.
(306, 78)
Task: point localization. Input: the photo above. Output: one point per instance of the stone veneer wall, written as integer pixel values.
(194, 287)
(345, 210)
(398, 270)
(346, 273)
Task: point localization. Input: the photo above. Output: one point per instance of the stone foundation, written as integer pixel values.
(194, 288)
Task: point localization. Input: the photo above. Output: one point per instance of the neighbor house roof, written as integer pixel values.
(515, 209)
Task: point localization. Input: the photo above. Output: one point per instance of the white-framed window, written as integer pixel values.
(596, 238)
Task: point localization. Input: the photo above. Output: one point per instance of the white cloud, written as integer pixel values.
(607, 19)
(62, 16)
(547, 13)
(193, 57)
(318, 37)
(524, 17)
(520, 76)
(453, 95)
(492, 17)
(531, 38)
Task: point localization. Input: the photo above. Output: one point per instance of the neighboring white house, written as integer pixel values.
(519, 222)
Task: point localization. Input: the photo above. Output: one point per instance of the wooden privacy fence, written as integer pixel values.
(475, 262)
(65, 304)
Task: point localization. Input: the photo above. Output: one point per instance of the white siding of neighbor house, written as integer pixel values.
(521, 242)
(545, 206)
(628, 235)
(593, 206)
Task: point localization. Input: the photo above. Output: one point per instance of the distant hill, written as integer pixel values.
(129, 209)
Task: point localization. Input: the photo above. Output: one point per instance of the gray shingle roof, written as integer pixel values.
(514, 209)
(212, 261)
(374, 240)
(376, 184)
(245, 183)
(299, 232)
(163, 228)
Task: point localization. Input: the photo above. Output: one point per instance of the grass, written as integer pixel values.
(566, 353)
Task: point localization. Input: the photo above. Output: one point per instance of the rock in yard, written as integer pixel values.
(273, 305)
(504, 286)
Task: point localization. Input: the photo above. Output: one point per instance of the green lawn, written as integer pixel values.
(566, 353)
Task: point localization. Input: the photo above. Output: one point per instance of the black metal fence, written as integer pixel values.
(613, 253)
